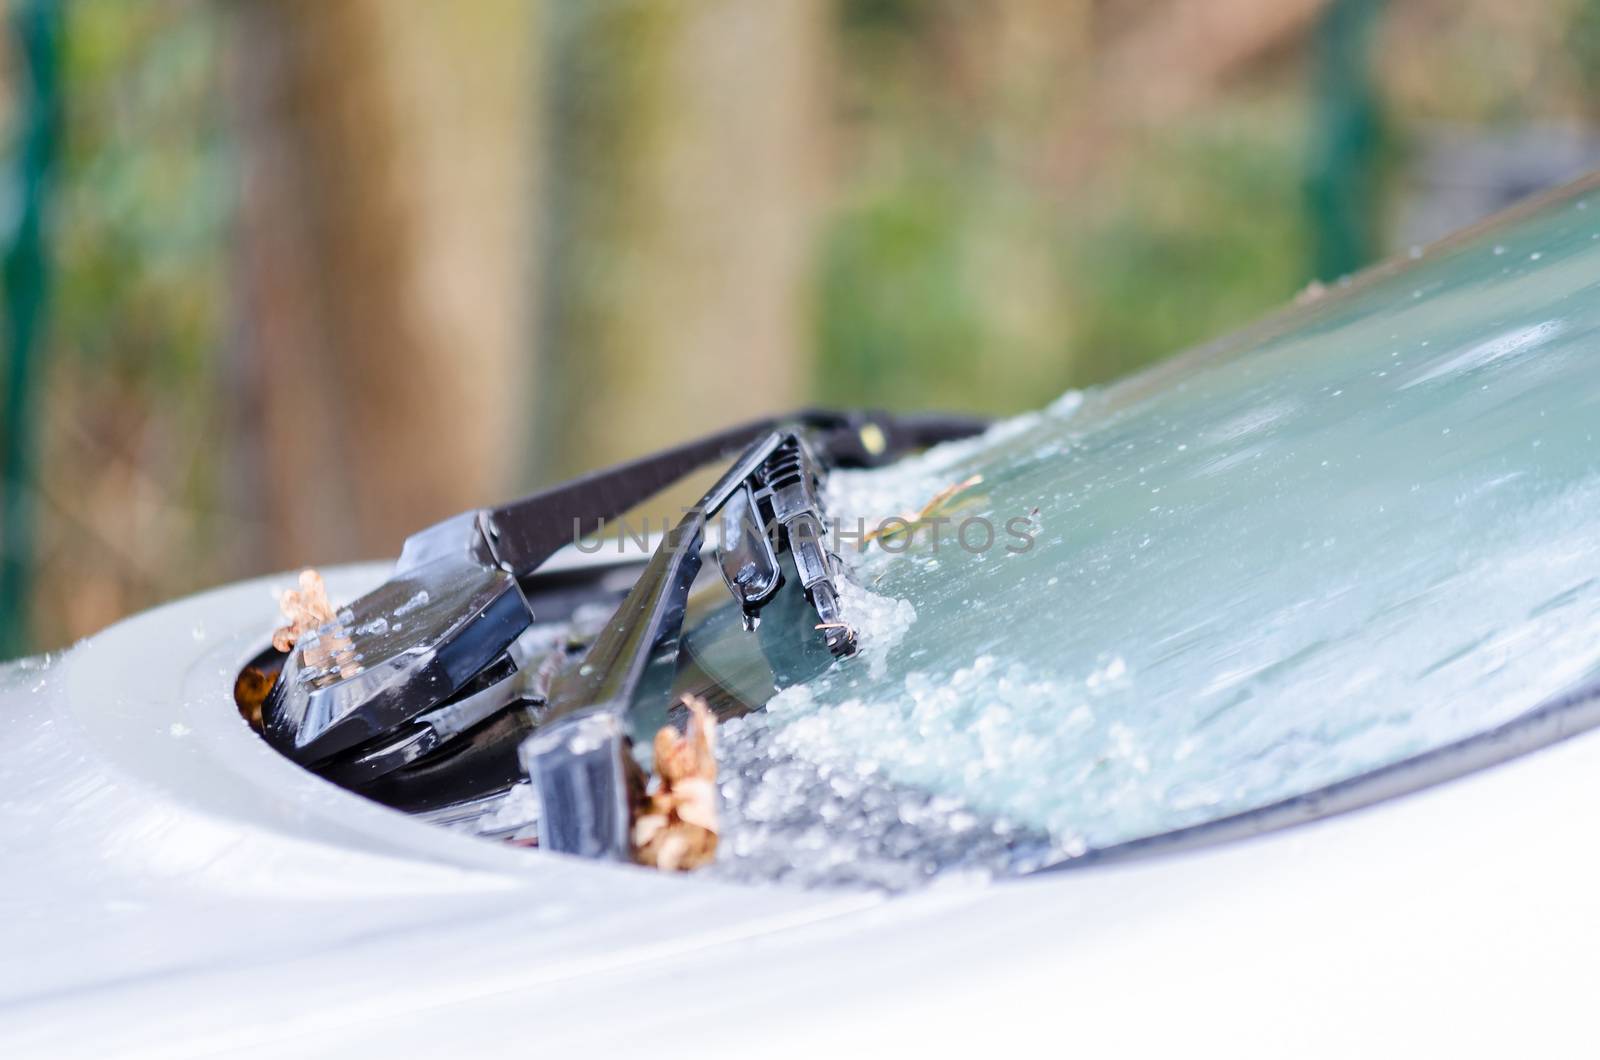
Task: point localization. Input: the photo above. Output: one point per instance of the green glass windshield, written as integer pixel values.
(1366, 529)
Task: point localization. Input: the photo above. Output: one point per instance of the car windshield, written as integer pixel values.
(1367, 529)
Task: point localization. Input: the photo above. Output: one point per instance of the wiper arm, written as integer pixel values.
(407, 672)
(579, 760)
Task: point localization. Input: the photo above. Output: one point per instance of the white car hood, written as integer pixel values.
(173, 887)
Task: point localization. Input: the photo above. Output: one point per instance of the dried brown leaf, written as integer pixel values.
(676, 826)
(1311, 292)
(909, 521)
(250, 690)
(306, 610)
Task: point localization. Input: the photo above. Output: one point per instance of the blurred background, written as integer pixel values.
(287, 280)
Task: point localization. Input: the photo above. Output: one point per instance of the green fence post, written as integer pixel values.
(1343, 182)
(36, 27)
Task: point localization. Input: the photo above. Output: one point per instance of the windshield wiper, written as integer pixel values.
(579, 759)
(406, 673)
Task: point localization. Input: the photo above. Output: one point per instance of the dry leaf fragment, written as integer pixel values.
(909, 521)
(305, 610)
(676, 826)
(250, 691)
(1311, 292)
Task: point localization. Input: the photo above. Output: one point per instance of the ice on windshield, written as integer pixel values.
(1365, 530)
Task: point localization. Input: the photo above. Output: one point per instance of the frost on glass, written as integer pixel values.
(1369, 528)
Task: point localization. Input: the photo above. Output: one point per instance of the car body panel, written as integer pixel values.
(158, 906)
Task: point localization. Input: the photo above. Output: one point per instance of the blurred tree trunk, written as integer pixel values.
(680, 161)
(381, 265)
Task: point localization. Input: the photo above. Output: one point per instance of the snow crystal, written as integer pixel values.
(374, 627)
(793, 819)
(881, 623)
(419, 599)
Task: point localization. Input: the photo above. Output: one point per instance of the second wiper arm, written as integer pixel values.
(579, 759)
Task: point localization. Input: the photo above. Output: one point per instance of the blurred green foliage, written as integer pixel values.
(1582, 36)
(1014, 198)
(920, 284)
(1179, 259)
(145, 188)
(962, 270)
(899, 321)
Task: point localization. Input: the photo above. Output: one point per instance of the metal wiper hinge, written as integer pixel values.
(780, 506)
